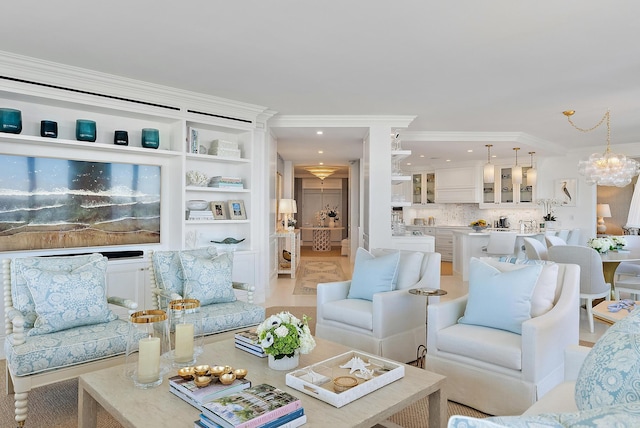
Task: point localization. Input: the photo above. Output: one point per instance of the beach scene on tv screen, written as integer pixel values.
(48, 203)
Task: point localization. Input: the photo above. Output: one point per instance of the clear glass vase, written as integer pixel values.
(148, 348)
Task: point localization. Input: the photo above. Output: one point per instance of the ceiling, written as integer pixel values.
(475, 68)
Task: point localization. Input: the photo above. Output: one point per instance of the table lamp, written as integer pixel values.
(602, 211)
(287, 207)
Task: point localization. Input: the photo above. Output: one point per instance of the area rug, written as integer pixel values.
(316, 270)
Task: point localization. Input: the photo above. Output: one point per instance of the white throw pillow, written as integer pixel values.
(544, 293)
(408, 269)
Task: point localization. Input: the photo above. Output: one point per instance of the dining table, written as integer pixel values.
(612, 259)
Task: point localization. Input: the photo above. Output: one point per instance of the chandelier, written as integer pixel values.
(321, 172)
(608, 168)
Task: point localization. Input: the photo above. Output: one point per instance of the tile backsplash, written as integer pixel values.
(463, 214)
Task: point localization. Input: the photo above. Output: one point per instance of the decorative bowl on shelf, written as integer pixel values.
(479, 228)
(197, 204)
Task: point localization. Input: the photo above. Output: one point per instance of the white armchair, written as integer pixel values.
(500, 372)
(392, 324)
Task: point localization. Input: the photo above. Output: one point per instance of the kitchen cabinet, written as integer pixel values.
(399, 179)
(423, 188)
(457, 185)
(414, 243)
(505, 193)
(444, 243)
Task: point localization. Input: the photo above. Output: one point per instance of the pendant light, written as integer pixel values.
(516, 170)
(532, 173)
(489, 170)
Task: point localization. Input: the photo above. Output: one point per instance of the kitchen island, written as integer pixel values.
(468, 243)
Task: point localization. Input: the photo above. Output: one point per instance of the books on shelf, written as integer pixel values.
(226, 182)
(189, 392)
(290, 420)
(251, 408)
(248, 341)
(192, 143)
(200, 215)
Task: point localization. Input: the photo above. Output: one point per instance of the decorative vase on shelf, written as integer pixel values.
(550, 225)
(332, 222)
(284, 363)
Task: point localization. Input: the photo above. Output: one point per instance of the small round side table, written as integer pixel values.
(421, 353)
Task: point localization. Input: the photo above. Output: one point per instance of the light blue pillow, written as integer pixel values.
(167, 267)
(208, 279)
(373, 274)
(499, 299)
(65, 300)
(610, 373)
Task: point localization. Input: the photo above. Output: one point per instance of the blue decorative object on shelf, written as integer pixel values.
(10, 120)
(49, 129)
(150, 138)
(121, 138)
(85, 130)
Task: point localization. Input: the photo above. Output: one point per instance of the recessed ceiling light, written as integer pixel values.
(320, 151)
(408, 163)
(319, 132)
(421, 156)
(320, 163)
(470, 151)
(448, 160)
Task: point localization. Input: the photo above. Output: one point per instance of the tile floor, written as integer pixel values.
(281, 294)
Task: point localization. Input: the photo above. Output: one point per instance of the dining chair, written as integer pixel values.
(574, 237)
(592, 283)
(501, 244)
(554, 240)
(534, 249)
(563, 234)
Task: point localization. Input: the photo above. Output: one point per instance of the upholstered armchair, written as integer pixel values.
(205, 275)
(372, 314)
(58, 323)
(501, 345)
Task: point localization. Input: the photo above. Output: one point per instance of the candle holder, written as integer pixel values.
(148, 348)
(150, 138)
(185, 321)
(85, 130)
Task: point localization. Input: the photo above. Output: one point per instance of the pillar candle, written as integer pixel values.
(148, 359)
(184, 342)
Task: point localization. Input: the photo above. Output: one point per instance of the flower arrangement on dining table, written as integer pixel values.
(602, 244)
(284, 335)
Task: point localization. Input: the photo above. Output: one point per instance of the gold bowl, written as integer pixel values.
(217, 370)
(342, 383)
(240, 373)
(202, 381)
(227, 378)
(186, 373)
(201, 370)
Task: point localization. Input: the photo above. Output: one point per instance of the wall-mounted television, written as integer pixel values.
(48, 203)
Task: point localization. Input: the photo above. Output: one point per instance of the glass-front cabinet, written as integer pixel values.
(504, 192)
(423, 188)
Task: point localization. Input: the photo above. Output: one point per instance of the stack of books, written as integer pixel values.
(225, 148)
(248, 341)
(261, 406)
(226, 182)
(189, 392)
(200, 215)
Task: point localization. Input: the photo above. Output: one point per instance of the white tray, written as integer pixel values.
(317, 380)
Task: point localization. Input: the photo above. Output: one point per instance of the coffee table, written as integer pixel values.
(157, 407)
(601, 312)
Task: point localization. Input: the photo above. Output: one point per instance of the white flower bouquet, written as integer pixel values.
(601, 245)
(619, 241)
(284, 335)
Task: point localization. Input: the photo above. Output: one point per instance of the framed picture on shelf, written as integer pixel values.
(193, 140)
(219, 210)
(236, 210)
(566, 191)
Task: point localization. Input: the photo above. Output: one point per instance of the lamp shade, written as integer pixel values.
(532, 176)
(287, 206)
(489, 173)
(516, 174)
(603, 210)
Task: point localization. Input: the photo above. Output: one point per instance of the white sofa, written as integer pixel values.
(500, 372)
(600, 387)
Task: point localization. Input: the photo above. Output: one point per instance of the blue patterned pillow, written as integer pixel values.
(65, 300)
(20, 294)
(610, 373)
(168, 268)
(207, 279)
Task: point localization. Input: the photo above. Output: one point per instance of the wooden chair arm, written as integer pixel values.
(15, 325)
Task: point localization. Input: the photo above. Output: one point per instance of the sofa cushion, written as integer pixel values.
(208, 279)
(373, 274)
(499, 299)
(355, 312)
(66, 348)
(620, 416)
(230, 316)
(65, 300)
(490, 345)
(408, 267)
(168, 268)
(20, 294)
(544, 293)
(610, 373)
